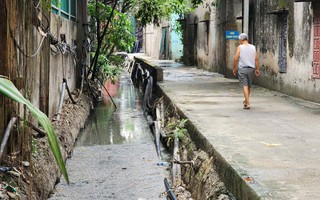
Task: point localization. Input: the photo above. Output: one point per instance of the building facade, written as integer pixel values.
(286, 35)
(41, 47)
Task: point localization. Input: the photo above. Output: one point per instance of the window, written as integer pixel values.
(65, 8)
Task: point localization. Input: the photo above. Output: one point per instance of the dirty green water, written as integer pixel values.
(115, 155)
(108, 125)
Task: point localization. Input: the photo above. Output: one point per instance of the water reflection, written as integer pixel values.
(124, 125)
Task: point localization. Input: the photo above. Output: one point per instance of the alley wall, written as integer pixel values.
(294, 76)
(63, 65)
(32, 60)
(284, 38)
(204, 36)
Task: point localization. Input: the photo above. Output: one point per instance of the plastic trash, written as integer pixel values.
(4, 169)
(165, 164)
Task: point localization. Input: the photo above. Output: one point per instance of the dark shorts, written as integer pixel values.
(246, 76)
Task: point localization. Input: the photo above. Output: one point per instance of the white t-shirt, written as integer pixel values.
(247, 56)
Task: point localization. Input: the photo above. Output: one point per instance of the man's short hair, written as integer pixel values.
(243, 36)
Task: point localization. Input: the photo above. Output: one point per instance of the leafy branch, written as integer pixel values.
(8, 89)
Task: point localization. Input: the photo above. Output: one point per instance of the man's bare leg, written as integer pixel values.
(246, 94)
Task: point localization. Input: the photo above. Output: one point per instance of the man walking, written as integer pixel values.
(247, 64)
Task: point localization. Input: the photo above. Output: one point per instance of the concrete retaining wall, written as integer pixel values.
(62, 66)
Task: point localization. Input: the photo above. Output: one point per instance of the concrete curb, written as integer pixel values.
(236, 179)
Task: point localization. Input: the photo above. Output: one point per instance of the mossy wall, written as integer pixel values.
(296, 80)
(204, 43)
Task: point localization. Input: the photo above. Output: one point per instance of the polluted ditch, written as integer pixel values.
(115, 155)
(141, 150)
(192, 174)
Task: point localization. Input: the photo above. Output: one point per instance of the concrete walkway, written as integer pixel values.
(271, 151)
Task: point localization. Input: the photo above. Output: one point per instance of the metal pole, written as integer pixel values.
(245, 15)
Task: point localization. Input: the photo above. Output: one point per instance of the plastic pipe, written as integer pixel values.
(69, 92)
(61, 100)
(7, 134)
(157, 137)
(171, 194)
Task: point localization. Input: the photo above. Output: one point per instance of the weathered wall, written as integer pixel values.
(233, 11)
(62, 65)
(204, 36)
(152, 39)
(285, 48)
(297, 79)
(190, 32)
(29, 63)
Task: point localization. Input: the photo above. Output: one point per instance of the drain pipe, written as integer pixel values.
(74, 101)
(41, 133)
(157, 137)
(162, 113)
(171, 194)
(159, 116)
(176, 168)
(7, 134)
(61, 100)
(69, 92)
(82, 81)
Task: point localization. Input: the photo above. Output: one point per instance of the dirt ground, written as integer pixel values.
(38, 179)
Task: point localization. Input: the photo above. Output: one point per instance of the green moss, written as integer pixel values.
(282, 4)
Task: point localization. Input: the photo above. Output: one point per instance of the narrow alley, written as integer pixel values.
(179, 61)
(268, 152)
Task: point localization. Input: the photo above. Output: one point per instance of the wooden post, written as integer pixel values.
(7, 14)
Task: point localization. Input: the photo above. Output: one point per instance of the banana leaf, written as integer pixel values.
(8, 89)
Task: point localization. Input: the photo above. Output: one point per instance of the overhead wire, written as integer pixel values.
(61, 47)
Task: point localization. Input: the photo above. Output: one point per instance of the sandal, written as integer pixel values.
(247, 107)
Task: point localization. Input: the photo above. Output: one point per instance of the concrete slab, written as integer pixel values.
(273, 148)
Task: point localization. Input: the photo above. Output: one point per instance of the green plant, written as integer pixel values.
(153, 11)
(8, 89)
(175, 128)
(111, 31)
(107, 69)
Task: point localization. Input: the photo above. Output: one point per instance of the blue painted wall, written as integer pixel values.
(176, 42)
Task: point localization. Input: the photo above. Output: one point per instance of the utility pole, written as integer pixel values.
(245, 16)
